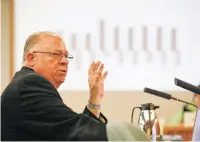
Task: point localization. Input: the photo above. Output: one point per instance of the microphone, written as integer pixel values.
(164, 95)
(187, 86)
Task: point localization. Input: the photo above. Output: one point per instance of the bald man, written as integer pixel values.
(31, 107)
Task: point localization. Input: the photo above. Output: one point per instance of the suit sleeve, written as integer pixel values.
(44, 114)
(101, 118)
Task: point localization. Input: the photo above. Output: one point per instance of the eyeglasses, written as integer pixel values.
(57, 55)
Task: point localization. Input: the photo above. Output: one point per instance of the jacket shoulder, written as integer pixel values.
(31, 78)
(34, 82)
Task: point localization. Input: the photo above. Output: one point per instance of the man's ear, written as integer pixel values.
(30, 58)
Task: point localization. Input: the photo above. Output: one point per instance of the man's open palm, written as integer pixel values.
(96, 78)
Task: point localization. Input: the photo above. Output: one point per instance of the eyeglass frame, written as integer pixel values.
(66, 55)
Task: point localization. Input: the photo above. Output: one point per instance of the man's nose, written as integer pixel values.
(64, 60)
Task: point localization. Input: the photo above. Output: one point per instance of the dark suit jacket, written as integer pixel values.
(32, 109)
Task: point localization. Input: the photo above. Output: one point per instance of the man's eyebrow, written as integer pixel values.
(57, 50)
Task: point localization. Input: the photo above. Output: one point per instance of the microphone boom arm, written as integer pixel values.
(164, 95)
(176, 99)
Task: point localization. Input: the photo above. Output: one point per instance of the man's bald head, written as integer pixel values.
(35, 39)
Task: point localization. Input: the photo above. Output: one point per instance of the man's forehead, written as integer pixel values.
(54, 43)
(52, 39)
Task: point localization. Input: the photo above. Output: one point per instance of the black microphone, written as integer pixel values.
(164, 95)
(157, 93)
(187, 86)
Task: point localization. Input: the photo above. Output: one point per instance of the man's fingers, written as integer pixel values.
(90, 71)
(101, 68)
(98, 77)
(104, 75)
(96, 66)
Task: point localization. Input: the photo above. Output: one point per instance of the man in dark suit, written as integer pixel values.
(31, 107)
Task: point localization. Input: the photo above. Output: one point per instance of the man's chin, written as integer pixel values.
(62, 80)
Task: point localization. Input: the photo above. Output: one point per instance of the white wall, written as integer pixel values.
(82, 17)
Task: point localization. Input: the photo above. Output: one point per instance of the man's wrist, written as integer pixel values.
(94, 106)
(94, 100)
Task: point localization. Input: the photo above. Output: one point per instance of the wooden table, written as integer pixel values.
(184, 131)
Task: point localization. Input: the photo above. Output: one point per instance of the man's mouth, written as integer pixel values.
(63, 71)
